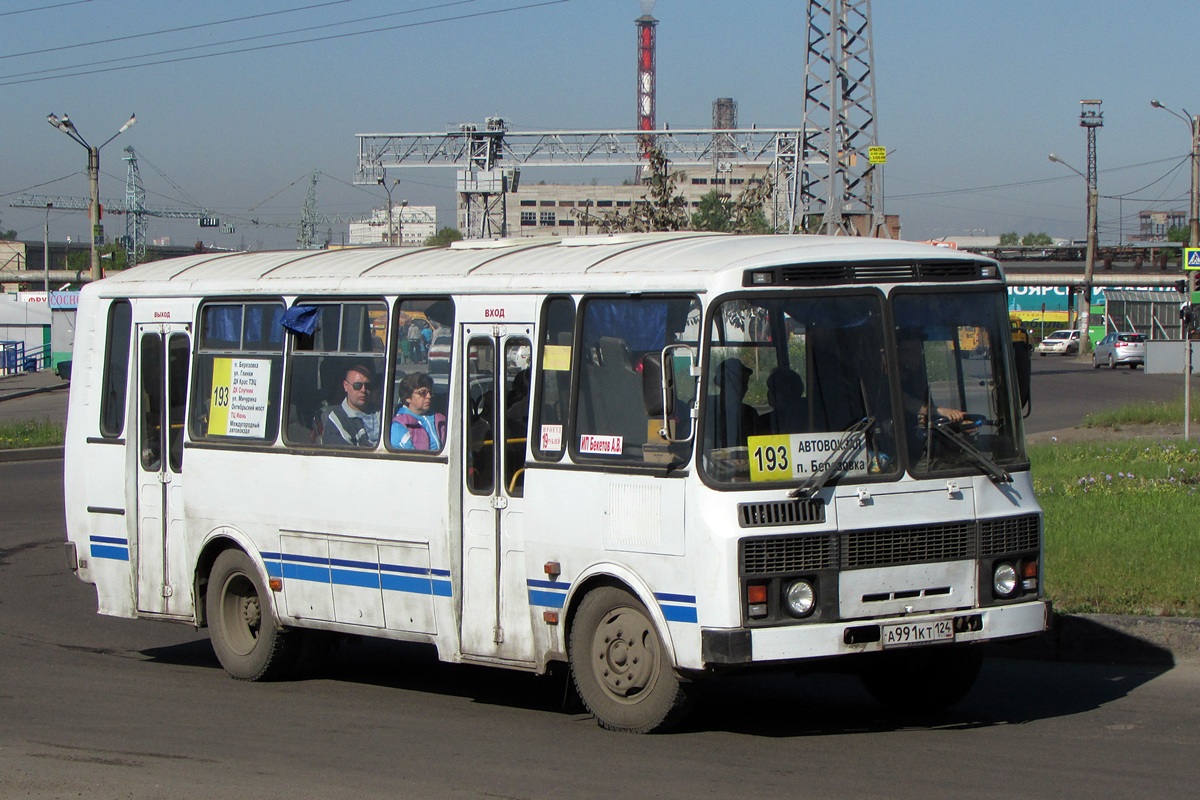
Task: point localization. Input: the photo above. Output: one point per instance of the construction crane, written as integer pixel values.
(133, 207)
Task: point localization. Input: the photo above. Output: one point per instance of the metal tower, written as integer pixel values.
(1091, 118)
(838, 189)
(307, 237)
(135, 212)
(482, 185)
(646, 73)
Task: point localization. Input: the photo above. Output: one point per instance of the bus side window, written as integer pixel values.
(116, 369)
(552, 402)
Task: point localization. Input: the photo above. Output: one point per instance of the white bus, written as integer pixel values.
(654, 458)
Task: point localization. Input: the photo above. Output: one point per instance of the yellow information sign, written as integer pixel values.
(877, 154)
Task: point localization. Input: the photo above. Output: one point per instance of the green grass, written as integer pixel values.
(1146, 413)
(31, 433)
(1120, 531)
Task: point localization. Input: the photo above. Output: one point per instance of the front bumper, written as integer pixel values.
(799, 642)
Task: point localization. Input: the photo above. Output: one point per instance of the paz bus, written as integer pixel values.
(658, 458)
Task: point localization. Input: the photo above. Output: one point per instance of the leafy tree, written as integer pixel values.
(444, 237)
(715, 213)
(661, 208)
(1178, 233)
(1011, 239)
(8, 236)
(1037, 240)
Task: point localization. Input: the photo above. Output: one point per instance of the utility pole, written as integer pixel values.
(1090, 119)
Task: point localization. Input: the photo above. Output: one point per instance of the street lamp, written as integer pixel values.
(65, 125)
(383, 182)
(1089, 264)
(1193, 123)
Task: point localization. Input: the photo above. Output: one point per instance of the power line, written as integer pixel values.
(197, 26)
(5, 82)
(43, 8)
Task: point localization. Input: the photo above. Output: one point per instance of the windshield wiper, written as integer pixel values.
(813, 483)
(996, 472)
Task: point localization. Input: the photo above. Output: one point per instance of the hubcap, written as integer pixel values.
(625, 654)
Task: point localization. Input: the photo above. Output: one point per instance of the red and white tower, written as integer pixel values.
(646, 77)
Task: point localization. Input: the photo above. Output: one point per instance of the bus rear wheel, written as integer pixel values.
(620, 667)
(922, 680)
(248, 642)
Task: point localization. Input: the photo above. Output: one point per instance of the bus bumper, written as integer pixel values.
(798, 642)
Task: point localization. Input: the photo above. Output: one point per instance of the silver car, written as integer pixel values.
(1064, 342)
(1120, 348)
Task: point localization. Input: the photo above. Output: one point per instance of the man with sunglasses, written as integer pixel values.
(355, 421)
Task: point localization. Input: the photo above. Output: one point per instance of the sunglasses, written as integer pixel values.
(358, 386)
(423, 392)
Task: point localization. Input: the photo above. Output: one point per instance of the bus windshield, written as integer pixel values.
(804, 389)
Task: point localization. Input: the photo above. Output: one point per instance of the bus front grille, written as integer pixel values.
(884, 547)
(781, 512)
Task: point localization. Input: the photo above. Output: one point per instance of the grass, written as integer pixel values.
(31, 433)
(1146, 413)
(1119, 532)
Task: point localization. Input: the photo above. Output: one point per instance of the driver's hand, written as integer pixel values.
(952, 414)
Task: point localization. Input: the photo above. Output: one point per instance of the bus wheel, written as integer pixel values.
(926, 679)
(621, 670)
(248, 643)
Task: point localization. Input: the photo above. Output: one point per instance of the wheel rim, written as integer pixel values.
(241, 614)
(625, 654)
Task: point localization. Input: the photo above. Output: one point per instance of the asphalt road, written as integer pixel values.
(102, 708)
(1066, 389)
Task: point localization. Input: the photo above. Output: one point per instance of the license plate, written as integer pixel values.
(902, 634)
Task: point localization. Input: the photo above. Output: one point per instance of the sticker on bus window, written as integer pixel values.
(556, 358)
(551, 439)
(238, 401)
(797, 456)
(601, 445)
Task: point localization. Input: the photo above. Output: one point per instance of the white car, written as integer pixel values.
(1064, 342)
(1120, 348)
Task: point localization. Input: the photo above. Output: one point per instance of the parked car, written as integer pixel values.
(439, 353)
(1120, 348)
(1064, 343)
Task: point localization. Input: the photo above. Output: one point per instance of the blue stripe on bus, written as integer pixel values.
(553, 594)
(679, 613)
(110, 540)
(110, 552)
(664, 597)
(363, 574)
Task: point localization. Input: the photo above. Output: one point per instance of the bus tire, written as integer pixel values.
(922, 680)
(242, 628)
(620, 667)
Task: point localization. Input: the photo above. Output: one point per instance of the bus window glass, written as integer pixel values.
(150, 427)
(421, 359)
(237, 372)
(483, 427)
(116, 369)
(956, 393)
(611, 421)
(554, 388)
(336, 373)
(796, 387)
(177, 377)
(516, 413)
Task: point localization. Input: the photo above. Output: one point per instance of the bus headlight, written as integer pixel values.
(1004, 580)
(800, 598)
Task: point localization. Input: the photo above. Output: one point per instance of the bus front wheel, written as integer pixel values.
(924, 679)
(248, 642)
(621, 669)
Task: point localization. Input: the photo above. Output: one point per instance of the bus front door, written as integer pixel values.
(162, 384)
(495, 374)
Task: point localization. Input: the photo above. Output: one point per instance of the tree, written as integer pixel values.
(1011, 239)
(1179, 233)
(444, 237)
(715, 213)
(661, 207)
(1036, 240)
(8, 236)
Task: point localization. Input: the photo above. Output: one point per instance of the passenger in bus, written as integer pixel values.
(731, 421)
(416, 426)
(785, 394)
(355, 421)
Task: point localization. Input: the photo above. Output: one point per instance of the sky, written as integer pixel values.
(238, 104)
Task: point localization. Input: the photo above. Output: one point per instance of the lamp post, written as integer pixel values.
(400, 221)
(46, 252)
(1089, 264)
(65, 125)
(1193, 123)
(383, 182)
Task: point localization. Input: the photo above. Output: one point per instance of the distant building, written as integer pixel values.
(1153, 226)
(411, 226)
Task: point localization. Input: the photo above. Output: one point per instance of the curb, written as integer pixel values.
(31, 454)
(1111, 639)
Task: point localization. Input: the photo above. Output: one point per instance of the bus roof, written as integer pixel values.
(661, 261)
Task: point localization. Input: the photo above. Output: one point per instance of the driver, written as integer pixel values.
(914, 382)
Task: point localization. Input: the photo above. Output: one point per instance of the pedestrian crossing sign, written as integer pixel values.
(1191, 258)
